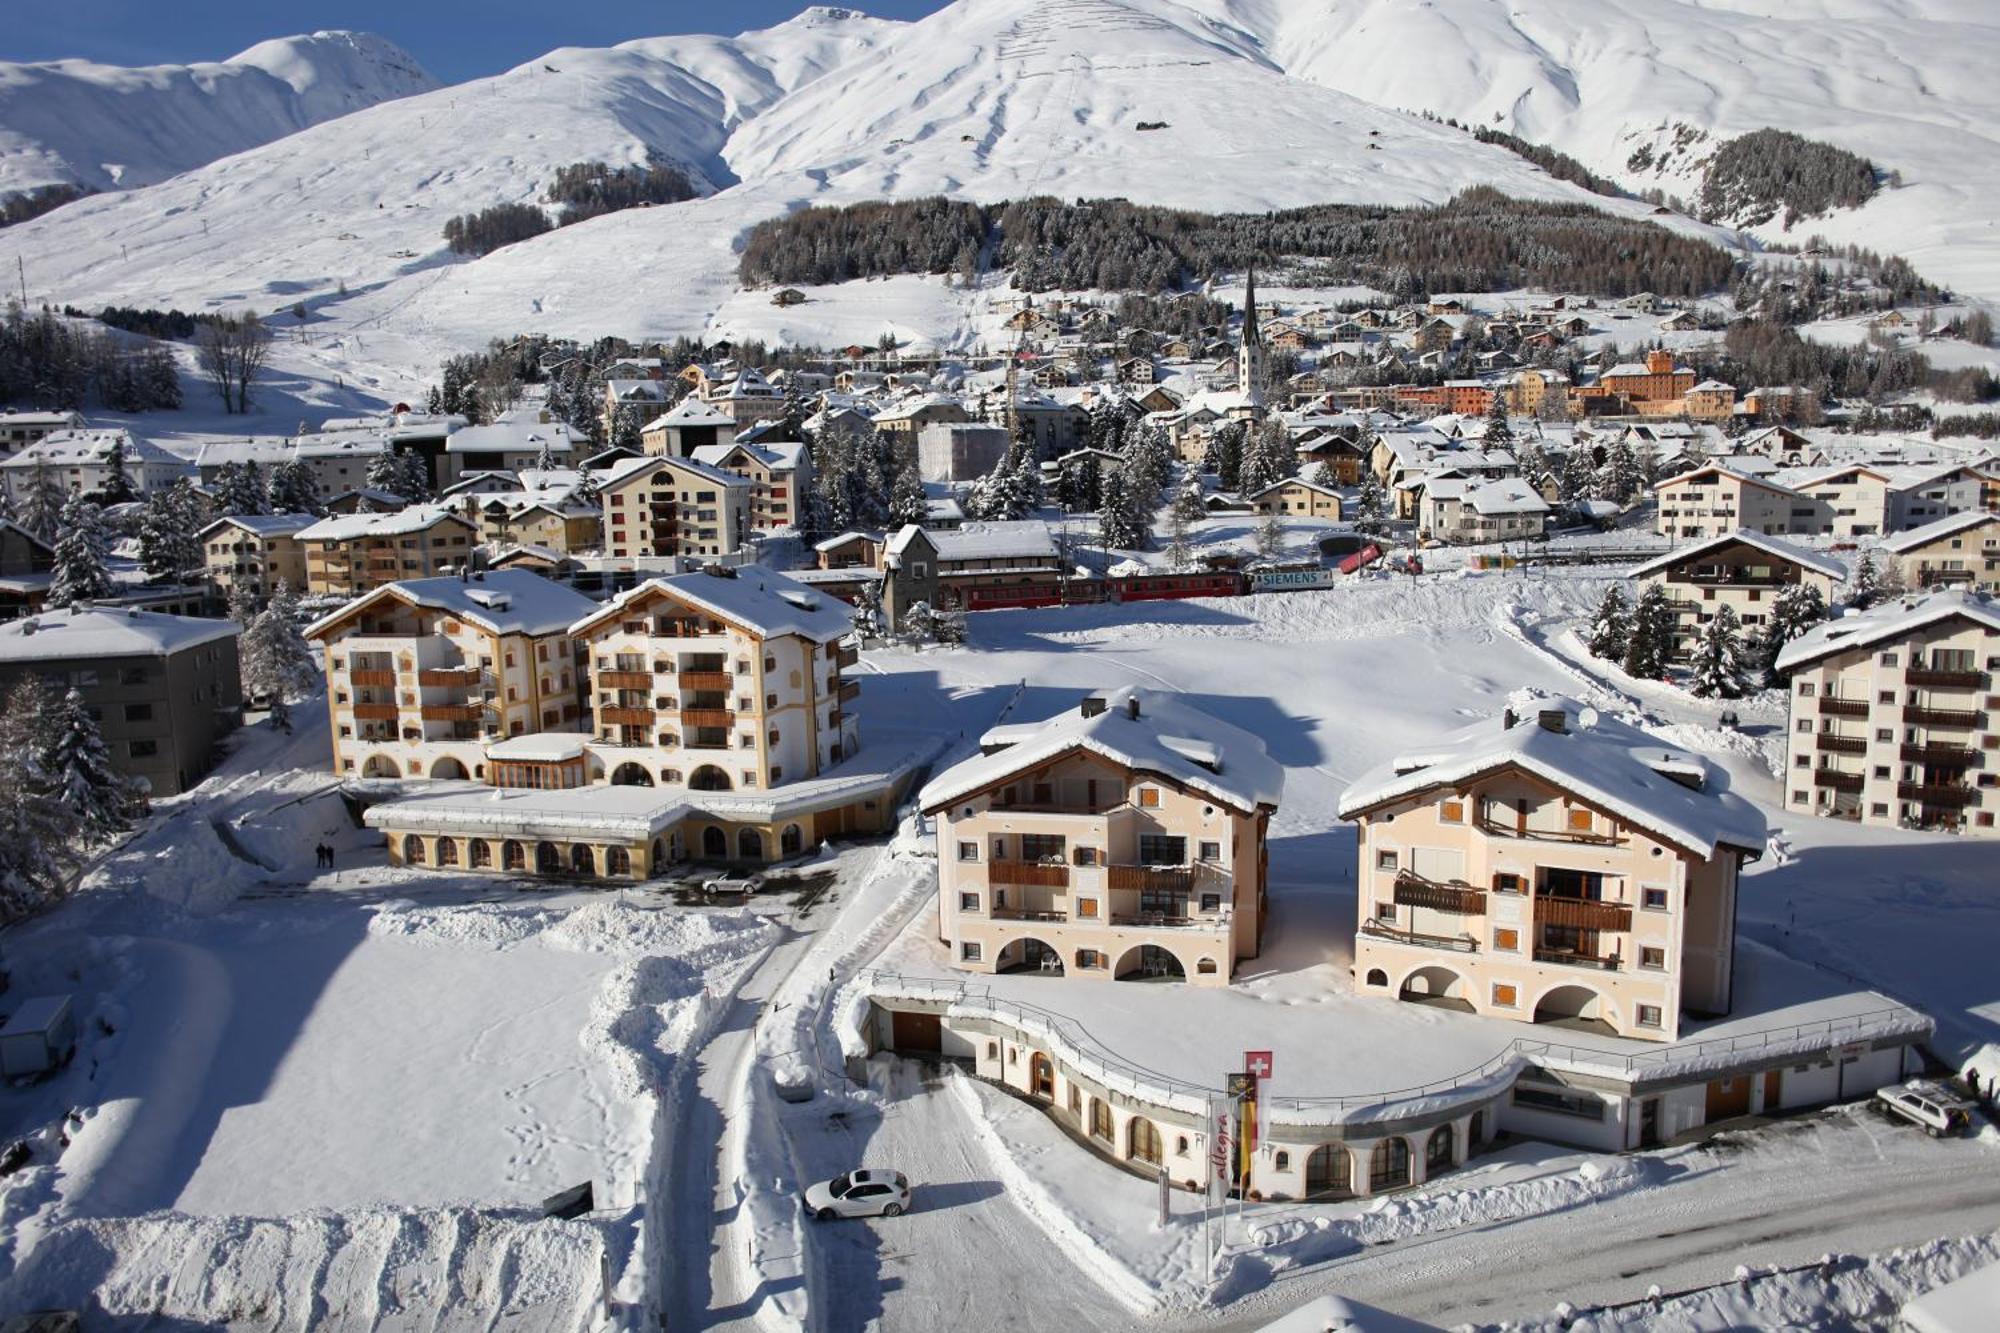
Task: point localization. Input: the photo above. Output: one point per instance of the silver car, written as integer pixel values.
(871, 1192)
(1924, 1102)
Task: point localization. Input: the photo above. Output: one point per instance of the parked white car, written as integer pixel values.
(1929, 1104)
(871, 1192)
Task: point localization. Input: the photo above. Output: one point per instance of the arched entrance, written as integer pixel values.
(380, 766)
(1100, 1119)
(709, 778)
(480, 853)
(629, 774)
(581, 860)
(714, 843)
(1042, 1077)
(448, 768)
(617, 861)
(749, 844)
(1440, 1150)
(513, 856)
(1435, 985)
(1389, 1166)
(1329, 1172)
(1142, 1141)
(1029, 955)
(1577, 1007)
(790, 840)
(1149, 962)
(548, 860)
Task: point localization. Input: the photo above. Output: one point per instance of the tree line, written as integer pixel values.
(581, 191)
(30, 204)
(1751, 178)
(50, 362)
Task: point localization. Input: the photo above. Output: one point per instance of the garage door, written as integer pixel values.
(916, 1033)
(1728, 1097)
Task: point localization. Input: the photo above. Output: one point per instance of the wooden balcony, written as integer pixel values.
(625, 680)
(707, 717)
(1602, 962)
(1835, 780)
(451, 712)
(384, 679)
(1413, 890)
(846, 656)
(375, 712)
(1832, 707)
(1950, 755)
(1583, 913)
(456, 678)
(1148, 878)
(706, 680)
(1500, 830)
(1829, 744)
(613, 716)
(1456, 943)
(1938, 793)
(850, 690)
(1024, 914)
(1940, 717)
(1028, 874)
(1926, 678)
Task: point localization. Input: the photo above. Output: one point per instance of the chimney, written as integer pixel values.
(1552, 719)
(1132, 707)
(1092, 705)
(1507, 719)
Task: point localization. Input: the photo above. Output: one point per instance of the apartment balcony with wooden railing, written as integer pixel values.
(706, 680)
(1929, 578)
(382, 679)
(708, 717)
(1170, 921)
(1414, 890)
(1028, 874)
(847, 656)
(1826, 743)
(1602, 962)
(1829, 706)
(1922, 715)
(1938, 793)
(451, 712)
(850, 690)
(1154, 879)
(616, 715)
(1455, 943)
(453, 678)
(625, 680)
(1026, 914)
(1834, 780)
(1582, 913)
(1499, 829)
(1928, 678)
(375, 712)
(1962, 756)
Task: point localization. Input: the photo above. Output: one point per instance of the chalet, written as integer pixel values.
(1957, 551)
(1744, 571)
(1297, 497)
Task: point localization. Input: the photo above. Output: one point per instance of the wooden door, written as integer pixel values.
(917, 1033)
(1728, 1097)
(1774, 1087)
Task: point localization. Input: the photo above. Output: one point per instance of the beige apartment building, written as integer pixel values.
(1299, 498)
(351, 554)
(778, 473)
(164, 689)
(726, 680)
(423, 674)
(1892, 715)
(1959, 551)
(257, 552)
(1557, 868)
(657, 506)
(1744, 571)
(1124, 839)
(1710, 501)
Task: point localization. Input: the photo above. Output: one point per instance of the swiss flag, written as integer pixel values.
(1257, 1063)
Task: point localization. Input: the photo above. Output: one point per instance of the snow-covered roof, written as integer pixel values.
(1020, 539)
(1141, 730)
(1948, 526)
(691, 412)
(1607, 762)
(73, 448)
(832, 543)
(763, 601)
(1888, 623)
(106, 632)
(626, 468)
(781, 455)
(514, 435)
(1510, 495)
(264, 525)
(265, 451)
(1295, 481)
(627, 813)
(506, 601)
(1784, 550)
(545, 747)
(348, 527)
(1719, 472)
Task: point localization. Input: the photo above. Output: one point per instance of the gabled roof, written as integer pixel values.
(1295, 481)
(264, 525)
(760, 600)
(1168, 738)
(506, 601)
(1713, 470)
(691, 412)
(1949, 525)
(1783, 550)
(1887, 623)
(627, 468)
(1608, 763)
(844, 538)
(416, 518)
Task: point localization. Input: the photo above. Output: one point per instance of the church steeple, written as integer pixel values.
(1250, 361)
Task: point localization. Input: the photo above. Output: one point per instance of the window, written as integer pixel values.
(1562, 1102)
(143, 749)
(1806, 689)
(1385, 911)
(1888, 659)
(1149, 798)
(1385, 860)
(1040, 847)
(1086, 908)
(1507, 882)
(1578, 819)
(1162, 849)
(1885, 696)
(138, 712)
(1652, 957)
(969, 951)
(1649, 1016)
(1211, 902)
(1653, 899)
(1507, 938)
(1804, 727)
(1504, 995)
(1089, 959)
(1211, 851)
(968, 851)
(968, 902)
(1280, 1161)
(1086, 856)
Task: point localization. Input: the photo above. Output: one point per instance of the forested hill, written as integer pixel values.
(1481, 240)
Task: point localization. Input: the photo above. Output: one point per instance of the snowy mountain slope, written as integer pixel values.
(106, 126)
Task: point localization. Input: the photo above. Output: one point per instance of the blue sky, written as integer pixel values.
(454, 39)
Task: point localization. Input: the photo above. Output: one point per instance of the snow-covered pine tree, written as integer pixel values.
(1149, 457)
(1717, 665)
(1229, 450)
(1611, 628)
(1190, 500)
(1086, 485)
(1371, 507)
(1324, 475)
(585, 493)
(1574, 481)
(1499, 435)
(244, 604)
(1651, 644)
(292, 489)
(277, 664)
(1270, 536)
(920, 624)
(1796, 610)
(233, 492)
(1268, 458)
(1618, 480)
(169, 533)
(1121, 517)
(80, 573)
(867, 617)
(416, 477)
(907, 502)
(77, 768)
(387, 474)
(949, 626)
(256, 489)
(117, 488)
(1179, 554)
(545, 457)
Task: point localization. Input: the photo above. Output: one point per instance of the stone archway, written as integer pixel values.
(790, 841)
(714, 844)
(1149, 962)
(1574, 1006)
(1435, 985)
(380, 766)
(449, 769)
(749, 845)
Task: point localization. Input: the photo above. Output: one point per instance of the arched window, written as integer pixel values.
(1143, 1141)
(1100, 1119)
(750, 844)
(714, 842)
(1438, 1151)
(1329, 1171)
(582, 860)
(1205, 966)
(617, 861)
(479, 853)
(447, 851)
(1281, 1160)
(413, 849)
(1377, 977)
(1389, 1165)
(513, 856)
(789, 840)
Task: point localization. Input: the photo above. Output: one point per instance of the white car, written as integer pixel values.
(871, 1192)
(1926, 1103)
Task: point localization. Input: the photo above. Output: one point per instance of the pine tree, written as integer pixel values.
(868, 609)
(77, 767)
(42, 506)
(416, 477)
(545, 457)
(170, 533)
(240, 490)
(1371, 517)
(117, 481)
(1611, 629)
(1324, 475)
(1268, 458)
(920, 624)
(1499, 435)
(1865, 589)
(387, 474)
(293, 490)
(1619, 479)
(1121, 519)
(1795, 611)
(277, 664)
(1229, 450)
(1270, 536)
(80, 573)
(1574, 481)
(1651, 645)
(1191, 501)
(1717, 667)
(1180, 555)
(907, 502)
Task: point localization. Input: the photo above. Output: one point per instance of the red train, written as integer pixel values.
(1123, 588)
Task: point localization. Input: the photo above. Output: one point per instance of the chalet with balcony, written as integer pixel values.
(1960, 551)
(256, 551)
(1745, 571)
(1554, 868)
(657, 506)
(354, 553)
(1124, 839)
(1467, 510)
(1892, 715)
(693, 424)
(1713, 500)
(1299, 498)
(424, 674)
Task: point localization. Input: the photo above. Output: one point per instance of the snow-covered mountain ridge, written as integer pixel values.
(109, 127)
(1257, 103)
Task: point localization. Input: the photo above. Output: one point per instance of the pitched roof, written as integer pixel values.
(1887, 623)
(264, 525)
(1911, 538)
(626, 468)
(1168, 737)
(506, 601)
(1607, 762)
(106, 632)
(347, 527)
(760, 600)
(1784, 550)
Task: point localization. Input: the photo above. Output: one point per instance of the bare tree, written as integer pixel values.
(233, 349)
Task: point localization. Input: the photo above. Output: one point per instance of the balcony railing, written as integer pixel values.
(850, 691)
(1827, 744)
(449, 677)
(1413, 890)
(1148, 878)
(1028, 874)
(1960, 755)
(625, 680)
(451, 712)
(1929, 577)
(707, 680)
(1456, 943)
(625, 717)
(1940, 717)
(707, 717)
(1603, 963)
(1500, 830)
(1835, 780)
(1832, 707)
(1937, 793)
(847, 656)
(1927, 678)
(1024, 914)
(380, 678)
(375, 712)
(1582, 913)
(1169, 921)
